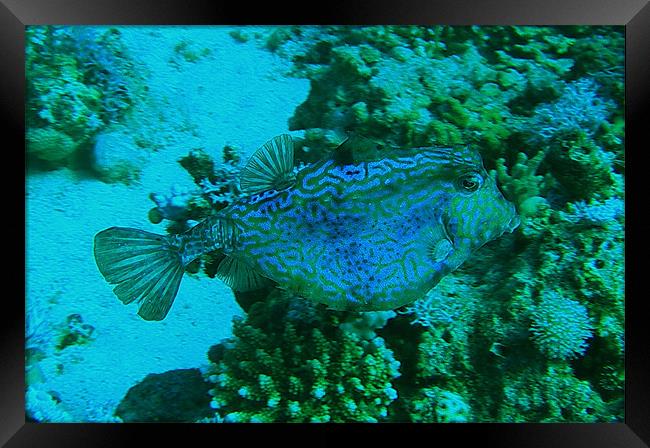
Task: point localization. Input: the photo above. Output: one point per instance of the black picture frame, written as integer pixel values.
(633, 14)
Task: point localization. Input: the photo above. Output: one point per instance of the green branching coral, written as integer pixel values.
(560, 326)
(447, 313)
(290, 361)
(574, 133)
(522, 184)
(435, 405)
(551, 395)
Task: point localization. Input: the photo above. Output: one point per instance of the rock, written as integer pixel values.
(116, 157)
(174, 396)
(50, 145)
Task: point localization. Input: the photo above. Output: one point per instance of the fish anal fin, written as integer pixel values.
(270, 167)
(239, 276)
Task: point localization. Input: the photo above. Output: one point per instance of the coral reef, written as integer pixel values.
(47, 348)
(74, 332)
(560, 326)
(43, 407)
(435, 405)
(217, 185)
(548, 121)
(291, 361)
(554, 396)
(188, 51)
(79, 81)
(530, 329)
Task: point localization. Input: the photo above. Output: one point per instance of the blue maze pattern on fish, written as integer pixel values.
(364, 229)
(358, 236)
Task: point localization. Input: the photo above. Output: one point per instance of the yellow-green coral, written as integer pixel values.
(290, 362)
(551, 395)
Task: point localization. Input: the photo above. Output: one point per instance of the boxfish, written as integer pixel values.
(368, 227)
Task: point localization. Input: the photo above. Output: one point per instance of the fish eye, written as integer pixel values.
(470, 182)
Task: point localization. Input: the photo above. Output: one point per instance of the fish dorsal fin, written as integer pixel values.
(270, 167)
(239, 276)
(356, 148)
(343, 153)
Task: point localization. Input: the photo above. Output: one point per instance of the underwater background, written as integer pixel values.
(149, 127)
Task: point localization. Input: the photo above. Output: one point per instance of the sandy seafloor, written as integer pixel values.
(239, 94)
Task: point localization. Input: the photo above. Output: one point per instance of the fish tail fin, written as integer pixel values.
(145, 267)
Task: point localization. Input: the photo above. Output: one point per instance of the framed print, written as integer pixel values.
(413, 216)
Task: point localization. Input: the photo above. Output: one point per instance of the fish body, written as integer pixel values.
(364, 229)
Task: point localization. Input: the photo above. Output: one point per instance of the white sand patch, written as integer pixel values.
(237, 95)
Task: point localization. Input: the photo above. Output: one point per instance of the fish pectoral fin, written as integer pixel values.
(438, 243)
(239, 276)
(270, 167)
(145, 266)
